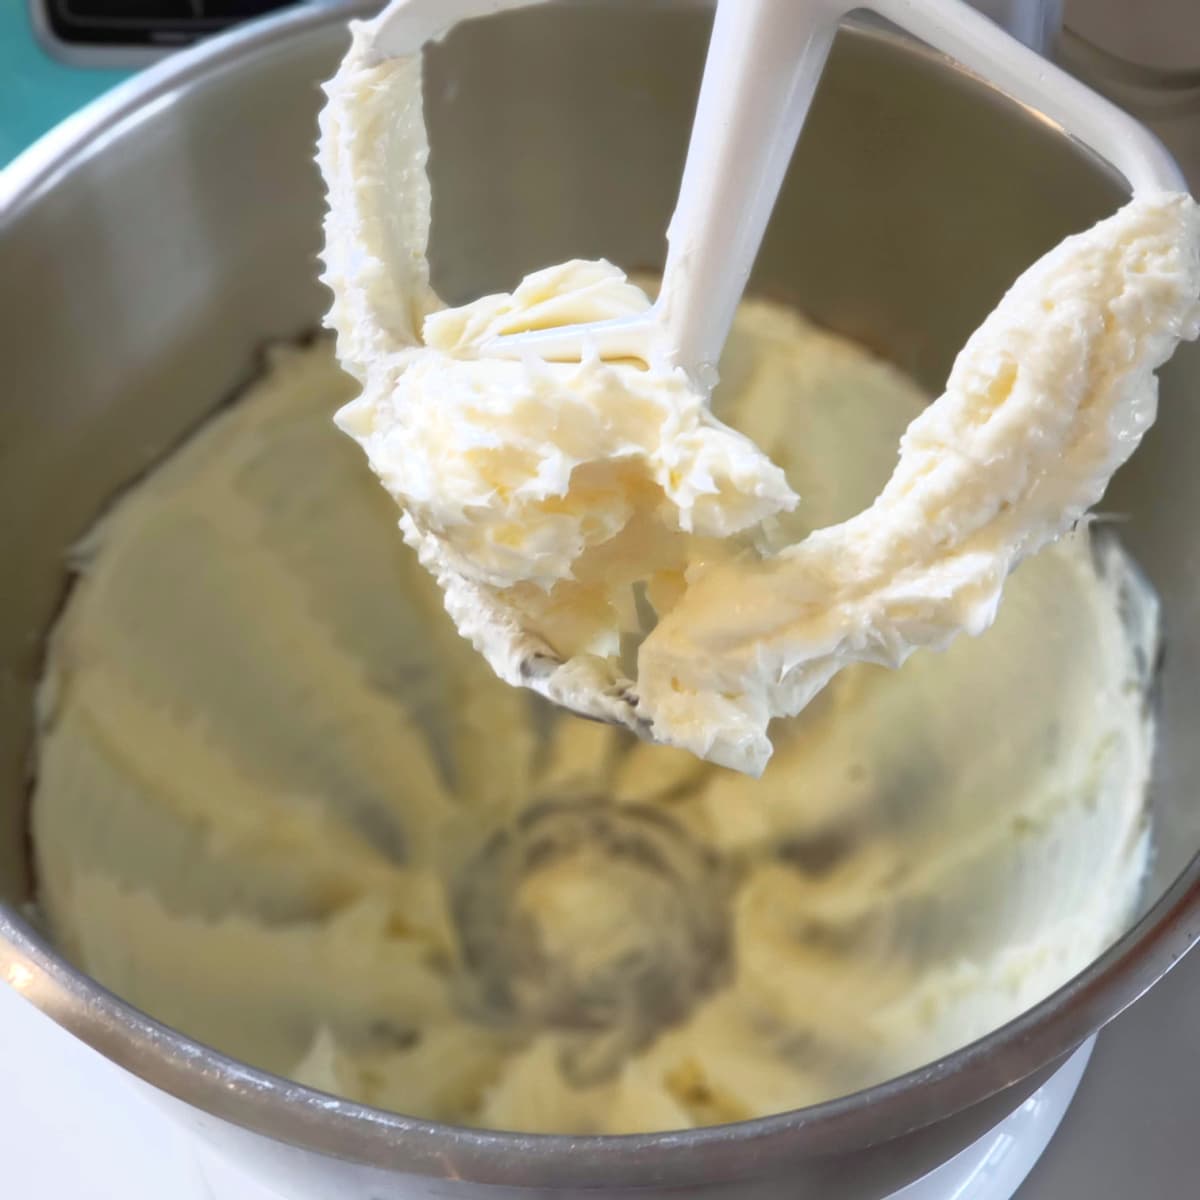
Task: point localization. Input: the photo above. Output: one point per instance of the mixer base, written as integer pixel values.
(992, 1168)
(109, 1124)
(995, 1166)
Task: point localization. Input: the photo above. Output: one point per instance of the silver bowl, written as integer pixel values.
(152, 243)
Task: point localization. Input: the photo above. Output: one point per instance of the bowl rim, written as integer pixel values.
(289, 1112)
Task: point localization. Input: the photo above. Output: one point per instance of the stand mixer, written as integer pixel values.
(947, 1185)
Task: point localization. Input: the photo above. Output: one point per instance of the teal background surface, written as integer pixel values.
(36, 91)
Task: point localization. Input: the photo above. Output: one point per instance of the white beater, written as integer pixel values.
(765, 59)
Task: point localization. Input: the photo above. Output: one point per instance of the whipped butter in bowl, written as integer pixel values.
(282, 805)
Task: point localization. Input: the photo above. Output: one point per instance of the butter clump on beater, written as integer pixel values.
(600, 537)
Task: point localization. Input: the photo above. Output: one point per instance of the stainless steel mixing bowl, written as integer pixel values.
(150, 245)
